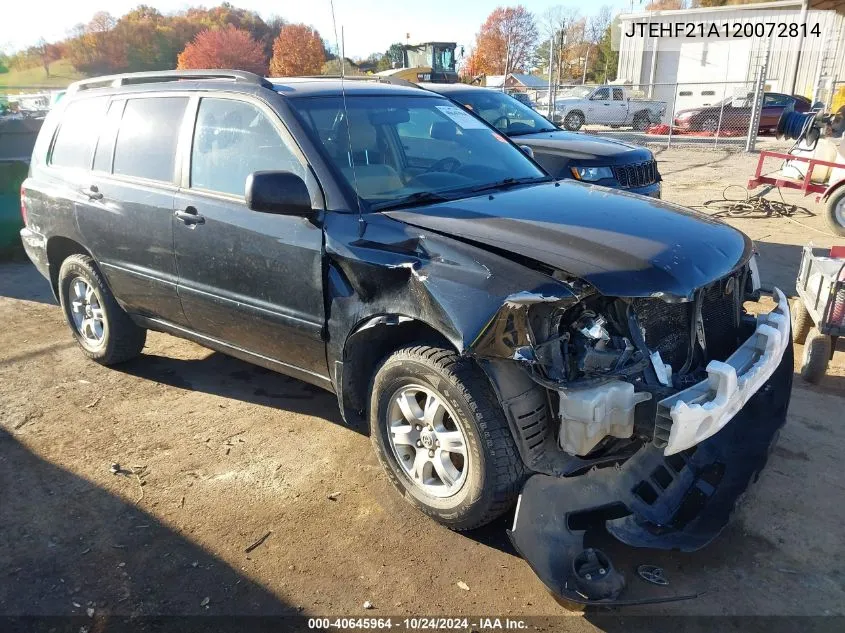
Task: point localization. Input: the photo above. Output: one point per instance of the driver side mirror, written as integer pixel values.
(279, 192)
(527, 151)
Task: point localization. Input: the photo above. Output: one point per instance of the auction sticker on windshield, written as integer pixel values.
(463, 119)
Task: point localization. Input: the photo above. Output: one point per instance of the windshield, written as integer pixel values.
(444, 58)
(390, 148)
(504, 112)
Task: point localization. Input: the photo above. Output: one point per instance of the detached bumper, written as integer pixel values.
(656, 500)
(701, 411)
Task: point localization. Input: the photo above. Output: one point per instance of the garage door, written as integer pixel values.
(722, 64)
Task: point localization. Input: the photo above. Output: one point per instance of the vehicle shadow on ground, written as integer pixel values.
(68, 545)
(225, 376)
(21, 280)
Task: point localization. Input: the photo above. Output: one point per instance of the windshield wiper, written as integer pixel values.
(413, 200)
(506, 183)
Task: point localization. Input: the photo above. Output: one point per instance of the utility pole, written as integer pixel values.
(551, 63)
(586, 59)
(507, 60)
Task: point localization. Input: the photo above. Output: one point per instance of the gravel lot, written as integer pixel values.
(215, 454)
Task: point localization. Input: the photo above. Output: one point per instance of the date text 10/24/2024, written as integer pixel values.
(418, 624)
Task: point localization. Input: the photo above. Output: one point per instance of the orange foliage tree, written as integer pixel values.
(297, 51)
(228, 47)
(506, 38)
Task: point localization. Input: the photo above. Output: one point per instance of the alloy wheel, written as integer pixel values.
(427, 441)
(87, 313)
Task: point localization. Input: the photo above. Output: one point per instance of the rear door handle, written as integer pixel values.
(93, 193)
(189, 216)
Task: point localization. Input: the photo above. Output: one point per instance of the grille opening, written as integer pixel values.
(636, 175)
(646, 492)
(676, 462)
(690, 508)
(595, 517)
(661, 477)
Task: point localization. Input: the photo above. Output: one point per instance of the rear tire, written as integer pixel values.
(801, 321)
(835, 212)
(816, 356)
(641, 121)
(103, 331)
(485, 478)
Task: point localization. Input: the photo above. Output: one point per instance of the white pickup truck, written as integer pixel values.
(606, 105)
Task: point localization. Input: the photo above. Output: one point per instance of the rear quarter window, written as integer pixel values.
(77, 135)
(147, 137)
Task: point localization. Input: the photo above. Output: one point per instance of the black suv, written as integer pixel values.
(503, 333)
(585, 157)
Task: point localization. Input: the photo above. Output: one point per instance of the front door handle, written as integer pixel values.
(189, 216)
(93, 193)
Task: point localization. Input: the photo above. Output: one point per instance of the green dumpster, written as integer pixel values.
(17, 138)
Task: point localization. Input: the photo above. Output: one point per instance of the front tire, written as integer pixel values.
(442, 438)
(573, 121)
(103, 331)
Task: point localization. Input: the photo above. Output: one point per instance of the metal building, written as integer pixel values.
(699, 72)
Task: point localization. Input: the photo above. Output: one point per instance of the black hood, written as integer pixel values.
(623, 244)
(584, 147)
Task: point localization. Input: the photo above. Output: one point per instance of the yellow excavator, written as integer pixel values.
(427, 62)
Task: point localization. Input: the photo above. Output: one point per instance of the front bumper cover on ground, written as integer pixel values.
(654, 500)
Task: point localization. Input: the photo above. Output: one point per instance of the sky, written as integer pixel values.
(369, 25)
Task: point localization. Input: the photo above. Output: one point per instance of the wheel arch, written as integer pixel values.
(59, 248)
(369, 342)
(834, 189)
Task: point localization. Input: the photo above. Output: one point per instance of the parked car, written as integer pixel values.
(587, 158)
(502, 333)
(735, 114)
(606, 105)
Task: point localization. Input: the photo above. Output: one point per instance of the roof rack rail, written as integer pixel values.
(155, 76)
(374, 78)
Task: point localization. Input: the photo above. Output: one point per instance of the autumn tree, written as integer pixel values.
(227, 47)
(298, 50)
(97, 48)
(48, 54)
(505, 42)
(666, 5)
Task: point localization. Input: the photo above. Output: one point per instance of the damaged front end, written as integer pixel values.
(648, 417)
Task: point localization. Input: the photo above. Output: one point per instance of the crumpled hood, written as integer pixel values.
(623, 244)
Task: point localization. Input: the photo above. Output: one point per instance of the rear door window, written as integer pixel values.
(618, 95)
(232, 139)
(147, 138)
(74, 144)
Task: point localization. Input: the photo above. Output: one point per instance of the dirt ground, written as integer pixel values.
(215, 454)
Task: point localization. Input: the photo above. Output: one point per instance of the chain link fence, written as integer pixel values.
(706, 114)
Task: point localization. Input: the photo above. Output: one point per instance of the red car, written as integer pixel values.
(732, 115)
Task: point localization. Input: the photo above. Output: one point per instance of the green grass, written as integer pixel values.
(61, 74)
